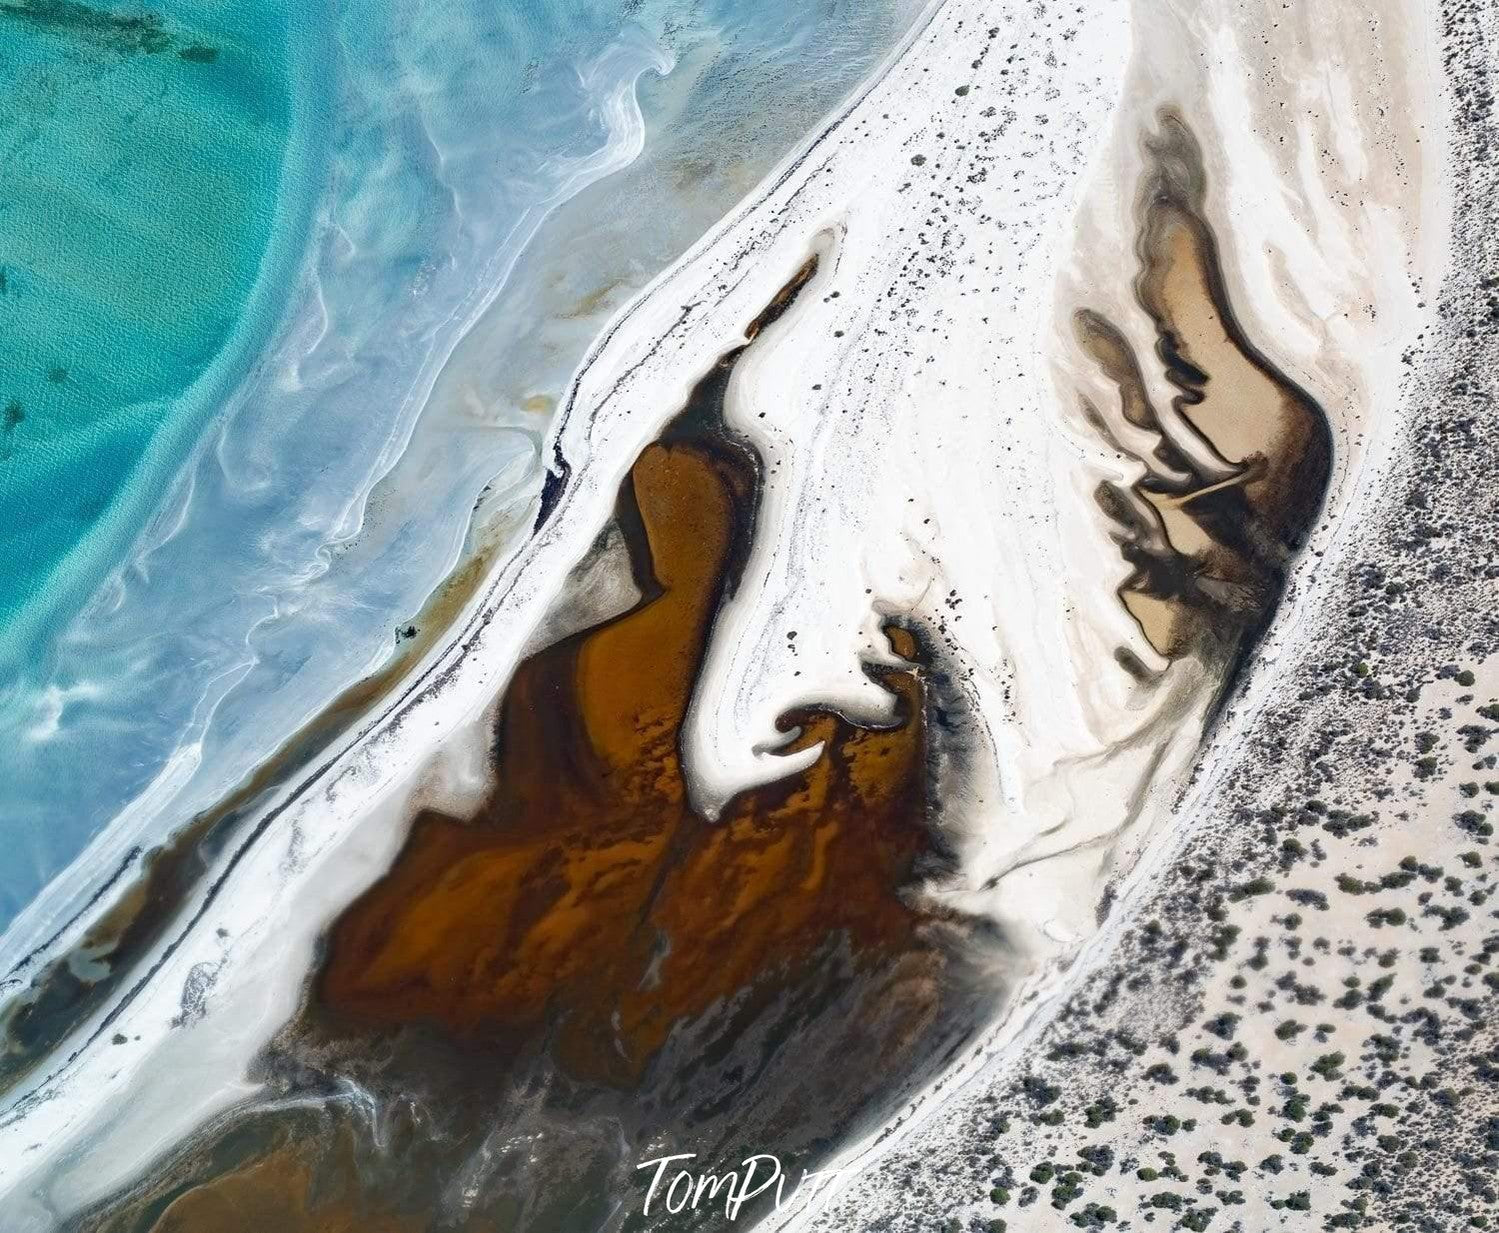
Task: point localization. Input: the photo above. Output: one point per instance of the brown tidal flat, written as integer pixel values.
(586, 954)
(587, 892)
(1211, 526)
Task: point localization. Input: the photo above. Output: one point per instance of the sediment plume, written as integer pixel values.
(585, 920)
(1225, 499)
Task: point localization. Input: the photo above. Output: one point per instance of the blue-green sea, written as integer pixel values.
(287, 291)
(148, 168)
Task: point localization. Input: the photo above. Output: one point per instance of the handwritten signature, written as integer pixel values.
(756, 1175)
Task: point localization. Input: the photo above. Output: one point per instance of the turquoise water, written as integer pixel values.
(141, 164)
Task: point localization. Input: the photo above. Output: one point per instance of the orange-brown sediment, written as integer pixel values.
(587, 890)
